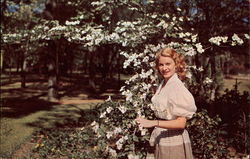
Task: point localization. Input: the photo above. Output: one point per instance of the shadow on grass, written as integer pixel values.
(18, 107)
(67, 116)
(18, 102)
(80, 85)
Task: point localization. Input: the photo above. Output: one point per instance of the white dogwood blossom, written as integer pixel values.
(95, 126)
(218, 40)
(119, 143)
(103, 115)
(58, 28)
(117, 130)
(146, 74)
(72, 22)
(199, 48)
(236, 40)
(247, 36)
(128, 94)
(108, 99)
(109, 109)
(109, 134)
(123, 109)
(194, 38)
(112, 152)
(207, 80)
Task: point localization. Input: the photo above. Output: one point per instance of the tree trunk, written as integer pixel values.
(1, 60)
(23, 71)
(91, 72)
(52, 82)
(53, 72)
(119, 71)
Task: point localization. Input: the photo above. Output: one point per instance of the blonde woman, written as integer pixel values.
(173, 105)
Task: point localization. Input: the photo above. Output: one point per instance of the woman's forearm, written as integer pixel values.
(178, 123)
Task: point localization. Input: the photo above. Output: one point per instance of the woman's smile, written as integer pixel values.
(166, 67)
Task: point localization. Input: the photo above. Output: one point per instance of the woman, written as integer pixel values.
(173, 105)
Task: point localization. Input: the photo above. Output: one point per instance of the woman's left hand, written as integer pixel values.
(146, 123)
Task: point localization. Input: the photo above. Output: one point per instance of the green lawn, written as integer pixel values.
(243, 84)
(15, 131)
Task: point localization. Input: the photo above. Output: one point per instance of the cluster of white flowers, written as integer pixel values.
(143, 130)
(116, 131)
(112, 37)
(128, 94)
(58, 28)
(163, 24)
(146, 86)
(108, 99)
(133, 78)
(145, 74)
(95, 35)
(207, 81)
(107, 111)
(189, 50)
(95, 126)
(127, 24)
(72, 23)
(123, 109)
(112, 152)
(119, 143)
(184, 35)
(98, 5)
(130, 59)
(199, 47)
(200, 69)
(247, 36)
(236, 40)
(133, 8)
(194, 38)
(218, 40)
(103, 114)
(8, 37)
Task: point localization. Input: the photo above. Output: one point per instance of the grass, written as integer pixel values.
(15, 131)
(24, 111)
(243, 83)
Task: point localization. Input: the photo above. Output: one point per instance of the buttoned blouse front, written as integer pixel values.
(173, 100)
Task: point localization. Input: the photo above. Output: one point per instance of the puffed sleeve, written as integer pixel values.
(182, 102)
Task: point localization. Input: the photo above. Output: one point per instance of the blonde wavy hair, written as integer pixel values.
(178, 59)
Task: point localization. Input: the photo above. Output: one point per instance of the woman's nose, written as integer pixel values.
(165, 67)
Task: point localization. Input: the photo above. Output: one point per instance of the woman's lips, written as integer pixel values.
(164, 73)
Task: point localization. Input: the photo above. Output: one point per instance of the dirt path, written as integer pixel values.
(79, 101)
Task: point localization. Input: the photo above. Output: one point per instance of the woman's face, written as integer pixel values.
(166, 67)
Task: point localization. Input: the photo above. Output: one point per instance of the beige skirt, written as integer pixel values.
(171, 144)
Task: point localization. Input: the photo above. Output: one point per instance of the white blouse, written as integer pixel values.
(173, 100)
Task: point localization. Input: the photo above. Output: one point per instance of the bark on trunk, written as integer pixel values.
(23, 73)
(52, 83)
(1, 60)
(91, 72)
(53, 72)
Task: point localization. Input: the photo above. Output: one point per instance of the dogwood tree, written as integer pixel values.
(155, 25)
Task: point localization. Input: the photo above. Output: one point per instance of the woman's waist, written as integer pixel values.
(168, 132)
